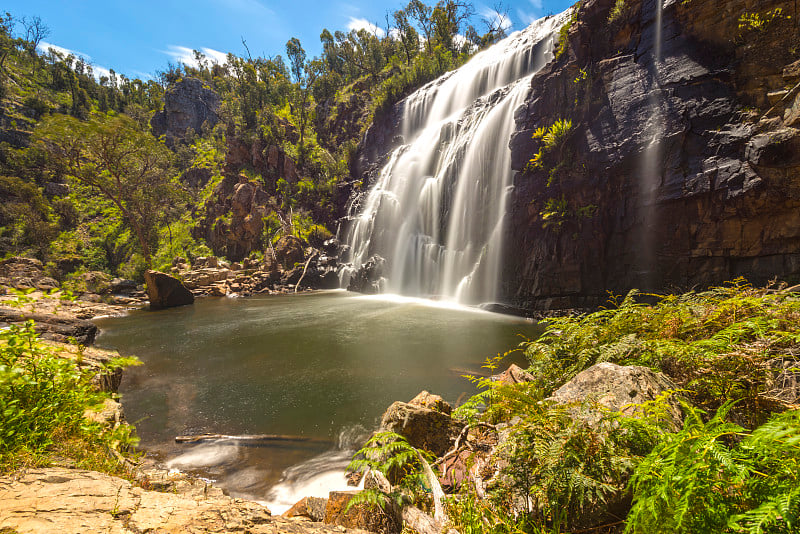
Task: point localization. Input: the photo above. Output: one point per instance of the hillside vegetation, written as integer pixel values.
(74, 196)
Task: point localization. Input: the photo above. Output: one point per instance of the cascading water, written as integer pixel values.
(436, 211)
(651, 164)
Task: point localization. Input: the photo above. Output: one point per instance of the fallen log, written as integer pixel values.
(249, 438)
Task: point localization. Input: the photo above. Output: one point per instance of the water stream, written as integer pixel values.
(436, 211)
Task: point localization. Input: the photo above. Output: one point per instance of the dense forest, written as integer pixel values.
(93, 177)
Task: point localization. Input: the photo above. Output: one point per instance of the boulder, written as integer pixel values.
(377, 481)
(97, 282)
(424, 428)
(289, 251)
(310, 507)
(432, 402)
(617, 388)
(383, 521)
(165, 291)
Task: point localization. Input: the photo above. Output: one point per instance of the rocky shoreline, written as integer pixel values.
(65, 498)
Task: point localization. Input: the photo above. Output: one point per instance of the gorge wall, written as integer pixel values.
(676, 173)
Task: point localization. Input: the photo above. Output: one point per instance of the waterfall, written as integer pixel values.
(435, 212)
(651, 161)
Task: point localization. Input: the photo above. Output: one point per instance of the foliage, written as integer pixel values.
(720, 347)
(392, 455)
(553, 138)
(43, 397)
(700, 480)
(563, 33)
(717, 344)
(617, 11)
(563, 466)
(759, 21)
(111, 155)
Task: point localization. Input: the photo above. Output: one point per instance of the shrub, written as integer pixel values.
(43, 398)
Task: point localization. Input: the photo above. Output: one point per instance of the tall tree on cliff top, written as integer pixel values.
(305, 74)
(111, 155)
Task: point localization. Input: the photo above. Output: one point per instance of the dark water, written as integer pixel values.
(318, 365)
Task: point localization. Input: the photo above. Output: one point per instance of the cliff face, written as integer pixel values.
(678, 172)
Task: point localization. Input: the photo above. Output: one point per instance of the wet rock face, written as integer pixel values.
(367, 279)
(187, 104)
(677, 173)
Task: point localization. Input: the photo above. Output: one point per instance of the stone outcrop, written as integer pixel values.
(310, 507)
(215, 277)
(25, 273)
(233, 221)
(165, 291)
(53, 327)
(73, 500)
(368, 278)
(513, 375)
(679, 172)
(187, 104)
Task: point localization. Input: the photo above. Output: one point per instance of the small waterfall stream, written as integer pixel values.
(436, 211)
(651, 160)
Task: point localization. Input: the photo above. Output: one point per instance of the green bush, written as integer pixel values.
(43, 398)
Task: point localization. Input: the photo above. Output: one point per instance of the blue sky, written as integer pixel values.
(138, 38)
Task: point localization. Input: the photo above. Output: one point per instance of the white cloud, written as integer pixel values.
(492, 15)
(364, 24)
(50, 47)
(97, 70)
(185, 55)
(252, 7)
(528, 17)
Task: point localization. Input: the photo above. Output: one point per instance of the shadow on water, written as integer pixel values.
(309, 365)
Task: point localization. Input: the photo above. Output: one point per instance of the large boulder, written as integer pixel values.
(617, 388)
(165, 291)
(423, 427)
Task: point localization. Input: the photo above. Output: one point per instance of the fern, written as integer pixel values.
(392, 455)
(697, 481)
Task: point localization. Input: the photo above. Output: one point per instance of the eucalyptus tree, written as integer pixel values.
(110, 154)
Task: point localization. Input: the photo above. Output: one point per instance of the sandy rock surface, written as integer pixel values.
(55, 499)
